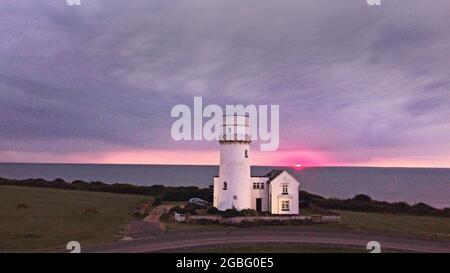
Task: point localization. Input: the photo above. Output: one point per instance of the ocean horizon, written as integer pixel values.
(410, 185)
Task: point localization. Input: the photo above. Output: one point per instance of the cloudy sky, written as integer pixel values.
(356, 85)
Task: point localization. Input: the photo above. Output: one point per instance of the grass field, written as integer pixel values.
(423, 226)
(55, 217)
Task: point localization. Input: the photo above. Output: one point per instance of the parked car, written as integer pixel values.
(198, 203)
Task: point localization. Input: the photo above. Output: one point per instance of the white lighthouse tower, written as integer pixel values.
(232, 188)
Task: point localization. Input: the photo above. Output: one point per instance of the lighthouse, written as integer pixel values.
(276, 192)
(233, 188)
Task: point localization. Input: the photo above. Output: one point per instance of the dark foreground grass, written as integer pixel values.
(277, 248)
(55, 217)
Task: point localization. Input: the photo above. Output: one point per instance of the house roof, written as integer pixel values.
(273, 174)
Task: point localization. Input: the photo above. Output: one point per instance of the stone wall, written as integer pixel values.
(293, 219)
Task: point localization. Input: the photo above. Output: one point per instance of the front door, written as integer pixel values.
(258, 204)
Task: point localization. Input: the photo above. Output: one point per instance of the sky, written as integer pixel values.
(357, 85)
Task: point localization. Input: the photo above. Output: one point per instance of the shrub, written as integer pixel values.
(186, 193)
(177, 209)
(399, 207)
(298, 222)
(245, 223)
(164, 217)
(307, 197)
(231, 213)
(303, 205)
(446, 211)
(362, 197)
(213, 210)
(59, 180)
(422, 208)
(249, 212)
(192, 212)
(157, 201)
(274, 222)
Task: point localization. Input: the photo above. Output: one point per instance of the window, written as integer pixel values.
(285, 205)
(246, 153)
(225, 185)
(258, 186)
(285, 189)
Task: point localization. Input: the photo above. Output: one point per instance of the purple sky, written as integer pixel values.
(356, 85)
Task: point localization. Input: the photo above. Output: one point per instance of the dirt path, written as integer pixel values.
(149, 226)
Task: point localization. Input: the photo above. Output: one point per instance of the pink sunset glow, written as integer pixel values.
(183, 157)
(298, 159)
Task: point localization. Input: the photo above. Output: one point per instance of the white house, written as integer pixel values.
(276, 192)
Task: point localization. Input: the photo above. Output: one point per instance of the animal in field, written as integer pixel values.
(22, 206)
(90, 211)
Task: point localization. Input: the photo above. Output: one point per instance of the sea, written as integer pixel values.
(410, 185)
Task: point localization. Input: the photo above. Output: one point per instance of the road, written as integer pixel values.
(177, 241)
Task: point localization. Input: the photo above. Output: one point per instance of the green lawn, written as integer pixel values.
(424, 226)
(55, 217)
